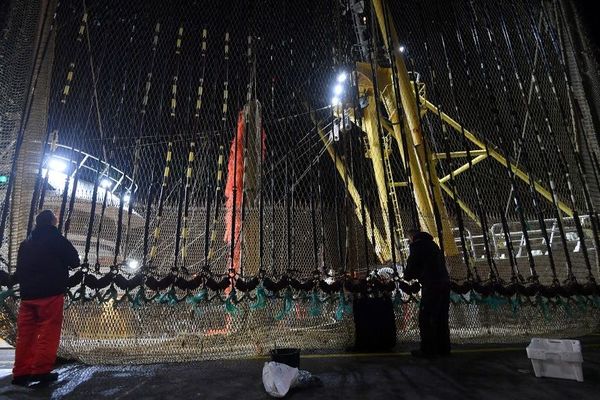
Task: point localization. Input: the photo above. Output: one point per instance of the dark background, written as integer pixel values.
(589, 14)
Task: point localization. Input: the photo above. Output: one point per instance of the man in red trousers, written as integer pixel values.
(42, 271)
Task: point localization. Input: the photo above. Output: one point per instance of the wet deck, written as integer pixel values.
(490, 372)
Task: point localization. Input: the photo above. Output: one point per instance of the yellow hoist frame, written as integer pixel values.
(426, 184)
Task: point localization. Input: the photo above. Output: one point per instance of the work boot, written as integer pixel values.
(48, 377)
(22, 380)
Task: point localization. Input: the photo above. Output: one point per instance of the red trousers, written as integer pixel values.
(38, 335)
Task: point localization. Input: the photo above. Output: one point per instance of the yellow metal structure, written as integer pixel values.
(466, 209)
(391, 184)
(463, 168)
(427, 186)
(370, 126)
(382, 249)
(518, 171)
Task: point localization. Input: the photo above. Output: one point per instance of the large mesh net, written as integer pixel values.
(235, 174)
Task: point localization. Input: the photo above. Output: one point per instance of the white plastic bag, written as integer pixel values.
(278, 378)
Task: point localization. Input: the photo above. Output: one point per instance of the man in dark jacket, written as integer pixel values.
(43, 265)
(426, 264)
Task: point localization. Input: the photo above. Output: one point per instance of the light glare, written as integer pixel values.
(338, 89)
(342, 77)
(106, 183)
(57, 165)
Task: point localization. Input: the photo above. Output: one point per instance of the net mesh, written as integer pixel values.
(223, 204)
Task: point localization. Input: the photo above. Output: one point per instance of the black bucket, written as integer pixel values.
(289, 357)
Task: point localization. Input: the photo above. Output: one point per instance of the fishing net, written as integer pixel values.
(235, 175)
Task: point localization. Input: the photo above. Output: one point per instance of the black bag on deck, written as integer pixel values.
(374, 323)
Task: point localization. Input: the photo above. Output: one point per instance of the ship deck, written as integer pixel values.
(472, 372)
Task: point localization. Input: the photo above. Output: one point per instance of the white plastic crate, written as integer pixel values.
(555, 358)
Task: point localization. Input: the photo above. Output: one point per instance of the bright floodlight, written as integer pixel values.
(106, 183)
(338, 89)
(402, 48)
(133, 264)
(335, 101)
(126, 198)
(57, 165)
(342, 77)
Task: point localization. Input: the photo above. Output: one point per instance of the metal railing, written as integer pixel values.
(77, 159)
(475, 243)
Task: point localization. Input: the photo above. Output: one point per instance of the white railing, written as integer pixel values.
(76, 159)
(476, 246)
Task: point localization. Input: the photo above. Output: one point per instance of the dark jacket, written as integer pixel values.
(426, 263)
(43, 263)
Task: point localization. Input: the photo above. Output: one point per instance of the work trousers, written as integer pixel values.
(38, 335)
(375, 324)
(433, 320)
